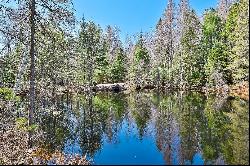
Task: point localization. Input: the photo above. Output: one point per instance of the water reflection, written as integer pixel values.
(147, 128)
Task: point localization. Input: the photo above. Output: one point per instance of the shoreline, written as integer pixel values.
(239, 90)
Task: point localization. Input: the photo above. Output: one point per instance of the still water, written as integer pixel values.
(148, 127)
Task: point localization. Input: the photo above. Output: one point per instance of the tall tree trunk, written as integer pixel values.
(158, 78)
(171, 53)
(32, 60)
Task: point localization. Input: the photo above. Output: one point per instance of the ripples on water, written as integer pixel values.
(147, 128)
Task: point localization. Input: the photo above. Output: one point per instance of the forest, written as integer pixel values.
(46, 51)
(42, 48)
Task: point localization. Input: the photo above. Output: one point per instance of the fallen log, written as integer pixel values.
(116, 87)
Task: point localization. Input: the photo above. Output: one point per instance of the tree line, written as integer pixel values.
(43, 45)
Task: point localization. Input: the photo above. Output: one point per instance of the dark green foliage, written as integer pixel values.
(141, 53)
(9, 67)
(192, 61)
(214, 49)
(139, 70)
(118, 69)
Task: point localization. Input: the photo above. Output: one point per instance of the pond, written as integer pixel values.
(147, 127)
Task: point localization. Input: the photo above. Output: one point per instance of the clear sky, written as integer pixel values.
(131, 16)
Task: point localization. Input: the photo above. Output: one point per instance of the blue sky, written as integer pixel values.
(131, 16)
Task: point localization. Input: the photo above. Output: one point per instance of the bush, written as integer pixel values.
(8, 94)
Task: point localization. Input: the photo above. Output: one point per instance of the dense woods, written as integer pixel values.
(45, 50)
(184, 51)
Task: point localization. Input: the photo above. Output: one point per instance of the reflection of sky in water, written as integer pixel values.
(130, 149)
(162, 139)
(197, 160)
(72, 148)
(175, 155)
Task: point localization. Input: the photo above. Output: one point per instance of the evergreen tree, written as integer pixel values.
(239, 55)
(213, 46)
(90, 47)
(140, 68)
(183, 12)
(15, 29)
(164, 43)
(118, 68)
(192, 61)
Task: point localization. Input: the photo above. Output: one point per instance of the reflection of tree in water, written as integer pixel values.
(219, 131)
(102, 114)
(178, 124)
(214, 132)
(220, 101)
(166, 129)
(53, 120)
(139, 105)
(224, 135)
(189, 118)
(90, 128)
(238, 153)
(185, 124)
(114, 107)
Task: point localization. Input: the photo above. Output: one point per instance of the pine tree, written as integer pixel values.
(214, 49)
(192, 62)
(90, 47)
(115, 54)
(141, 61)
(239, 56)
(39, 13)
(164, 42)
(183, 12)
(118, 68)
